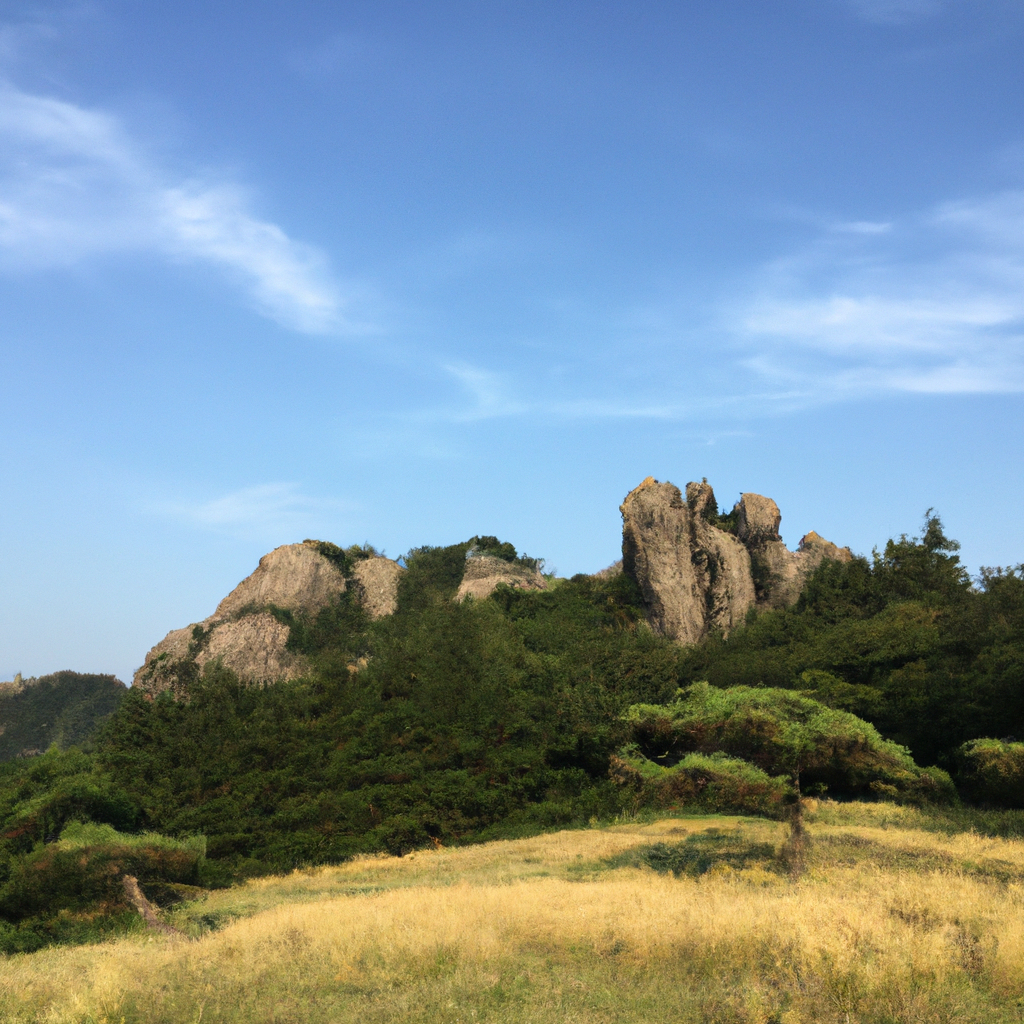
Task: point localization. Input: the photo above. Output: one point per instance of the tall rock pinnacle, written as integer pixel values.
(699, 571)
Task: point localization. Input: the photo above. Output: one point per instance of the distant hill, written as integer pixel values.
(63, 708)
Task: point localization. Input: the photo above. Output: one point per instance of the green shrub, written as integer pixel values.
(85, 870)
(431, 574)
(697, 854)
(80, 834)
(992, 772)
(65, 928)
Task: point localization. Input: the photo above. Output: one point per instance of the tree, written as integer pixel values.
(783, 733)
(924, 568)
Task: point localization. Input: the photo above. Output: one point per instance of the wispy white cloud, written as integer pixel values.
(936, 304)
(74, 184)
(492, 395)
(277, 508)
(504, 395)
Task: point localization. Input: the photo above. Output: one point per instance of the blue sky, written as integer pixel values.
(406, 272)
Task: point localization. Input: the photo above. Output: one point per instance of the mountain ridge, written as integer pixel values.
(698, 572)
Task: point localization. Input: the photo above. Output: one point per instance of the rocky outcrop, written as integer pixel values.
(376, 582)
(254, 647)
(248, 632)
(700, 571)
(485, 572)
(785, 572)
(296, 576)
(163, 665)
(657, 541)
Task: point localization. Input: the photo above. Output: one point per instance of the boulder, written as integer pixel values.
(485, 572)
(695, 574)
(758, 519)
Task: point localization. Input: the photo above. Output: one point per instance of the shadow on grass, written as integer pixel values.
(697, 854)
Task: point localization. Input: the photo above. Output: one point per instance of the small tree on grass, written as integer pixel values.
(783, 733)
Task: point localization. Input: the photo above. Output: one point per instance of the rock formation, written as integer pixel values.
(484, 573)
(376, 583)
(246, 636)
(697, 575)
(296, 576)
(698, 571)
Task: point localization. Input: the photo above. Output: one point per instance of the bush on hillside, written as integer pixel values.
(992, 772)
(39, 796)
(431, 574)
(85, 869)
(73, 890)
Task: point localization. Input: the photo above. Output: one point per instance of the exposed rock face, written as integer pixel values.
(161, 668)
(253, 646)
(788, 570)
(484, 573)
(247, 637)
(657, 541)
(295, 576)
(376, 582)
(696, 576)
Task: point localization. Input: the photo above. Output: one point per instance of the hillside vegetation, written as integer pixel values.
(65, 708)
(447, 722)
(676, 920)
(906, 640)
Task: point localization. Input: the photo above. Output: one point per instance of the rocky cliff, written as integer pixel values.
(699, 570)
(483, 573)
(246, 635)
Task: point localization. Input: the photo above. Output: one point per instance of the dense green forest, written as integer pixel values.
(64, 708)
(456, 721)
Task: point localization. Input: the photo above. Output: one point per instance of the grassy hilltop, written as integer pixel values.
(676, 920)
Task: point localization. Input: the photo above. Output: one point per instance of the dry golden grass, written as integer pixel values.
(888, 925)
